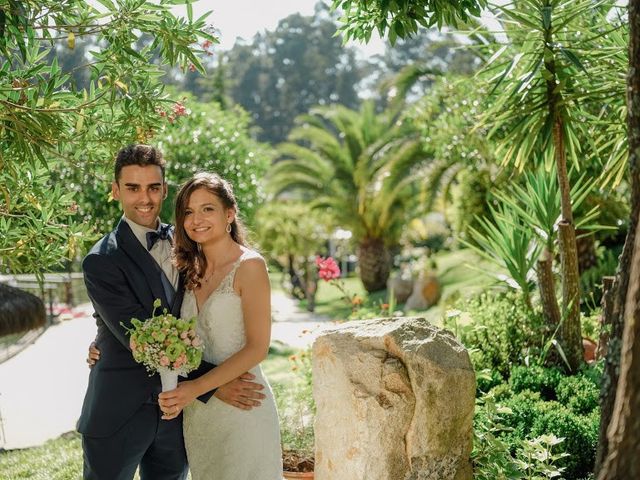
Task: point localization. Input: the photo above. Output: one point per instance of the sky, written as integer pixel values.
(245, 18)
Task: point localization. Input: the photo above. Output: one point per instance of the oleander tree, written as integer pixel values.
(48, 124)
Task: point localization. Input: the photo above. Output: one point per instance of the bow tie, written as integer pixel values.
(162, 233)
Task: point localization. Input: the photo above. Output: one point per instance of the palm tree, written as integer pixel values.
(360, 166)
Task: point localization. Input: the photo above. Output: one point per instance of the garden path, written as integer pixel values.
(42, 387)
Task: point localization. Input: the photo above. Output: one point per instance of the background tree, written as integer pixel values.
(284, 73)
(292, 236)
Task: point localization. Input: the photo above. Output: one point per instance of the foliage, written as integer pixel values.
(507, 240)
(545, 401)
(492, 455)
(401, 18)
(579, 393)
(520, 72)
(536, 378)
(296, 407)
(212, 139)
(447, 118)
(284, 73)
(361, 167)
(502, 331)
(356, 164)
(49, 124)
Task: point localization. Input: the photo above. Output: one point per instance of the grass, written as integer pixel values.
(61, 458)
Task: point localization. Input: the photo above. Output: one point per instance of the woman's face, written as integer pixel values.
(206, 218)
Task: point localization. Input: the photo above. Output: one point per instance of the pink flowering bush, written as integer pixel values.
(165, 342)
(329, 271)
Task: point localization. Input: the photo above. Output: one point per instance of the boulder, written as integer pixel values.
(426, 293)
(402, 287)
(395, 400)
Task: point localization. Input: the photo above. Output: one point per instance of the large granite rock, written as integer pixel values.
(395, 401)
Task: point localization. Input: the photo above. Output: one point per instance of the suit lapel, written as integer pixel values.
(141, 257)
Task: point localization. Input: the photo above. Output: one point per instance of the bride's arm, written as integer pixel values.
(252, 282)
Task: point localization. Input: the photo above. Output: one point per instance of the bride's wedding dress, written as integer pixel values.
(222, 441)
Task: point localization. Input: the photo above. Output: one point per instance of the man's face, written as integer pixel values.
(141, 192)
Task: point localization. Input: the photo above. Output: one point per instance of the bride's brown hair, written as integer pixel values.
(187, 256)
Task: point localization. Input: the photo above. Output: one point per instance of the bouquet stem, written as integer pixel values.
(169, 379)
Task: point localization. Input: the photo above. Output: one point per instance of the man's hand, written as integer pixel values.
(94, 355)
(241, 393)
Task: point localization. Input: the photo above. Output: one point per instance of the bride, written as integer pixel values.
(228, 290)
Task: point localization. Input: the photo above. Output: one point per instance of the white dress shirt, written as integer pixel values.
(160, 252)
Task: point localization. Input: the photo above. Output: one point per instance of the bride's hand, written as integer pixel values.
(173, 402)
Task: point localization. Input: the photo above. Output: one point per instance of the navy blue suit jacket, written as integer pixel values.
(123, 281)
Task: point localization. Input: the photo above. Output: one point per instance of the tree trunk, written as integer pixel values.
(614, 451)
(570, 332)
(375, 262)
(607, 308)
(623, 457)
(547, 287)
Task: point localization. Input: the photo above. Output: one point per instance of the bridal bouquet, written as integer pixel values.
(165, 344)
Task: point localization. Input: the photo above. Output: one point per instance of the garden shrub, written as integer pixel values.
(579, 393)
(503, 331)
(529, 416)
(537, 379)
(580, 434)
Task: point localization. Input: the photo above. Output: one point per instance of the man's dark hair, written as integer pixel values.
(141, 155)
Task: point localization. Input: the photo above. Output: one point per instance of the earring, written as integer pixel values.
(228, 229)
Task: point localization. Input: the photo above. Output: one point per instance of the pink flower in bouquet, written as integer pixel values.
(327, 268)
(196, 342)
(164, 361)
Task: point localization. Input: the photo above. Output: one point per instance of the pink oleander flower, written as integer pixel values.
(328, 269)
(179, 109)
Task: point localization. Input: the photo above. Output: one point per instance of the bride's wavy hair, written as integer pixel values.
(187, 255)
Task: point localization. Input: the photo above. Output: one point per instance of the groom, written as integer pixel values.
(125, 272)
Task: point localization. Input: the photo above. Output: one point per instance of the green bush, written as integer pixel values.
(530, 417)
(580, 434)
(537, 379)
(502, 332)
(579, 393)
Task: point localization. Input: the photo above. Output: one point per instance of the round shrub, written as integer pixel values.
(537, 379)
(580, 435)
(503, 330)
(579, 393)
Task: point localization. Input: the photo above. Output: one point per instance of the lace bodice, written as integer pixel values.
(220, 322)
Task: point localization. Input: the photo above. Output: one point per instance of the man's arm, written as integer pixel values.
(111, 295)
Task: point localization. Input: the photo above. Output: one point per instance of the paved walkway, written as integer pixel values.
(42, 388)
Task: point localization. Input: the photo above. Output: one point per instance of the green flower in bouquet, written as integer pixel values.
(165, 342)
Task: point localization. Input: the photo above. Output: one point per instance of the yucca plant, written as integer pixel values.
(505, 240)
(542, 83)
(537, 205)
(360, 167)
